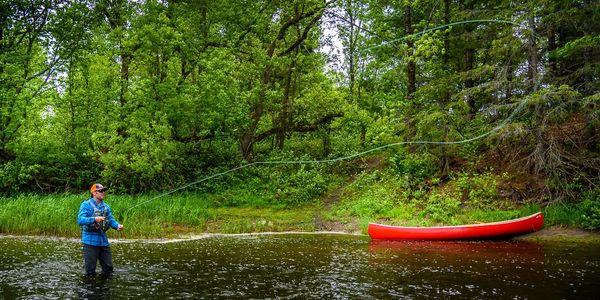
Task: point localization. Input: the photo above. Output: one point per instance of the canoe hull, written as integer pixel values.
(464, 232)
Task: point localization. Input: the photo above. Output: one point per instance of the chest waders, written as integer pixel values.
(98, 226)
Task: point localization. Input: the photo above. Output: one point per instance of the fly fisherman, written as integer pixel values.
(95, 218)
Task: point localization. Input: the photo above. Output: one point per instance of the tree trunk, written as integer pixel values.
(509, 80)
(125, 60)
(411, 67)
(284, 115)
(539, 153)
(469, 82)
(551, 47)
(351, 50)
(445, 159)
(410, 76)
(591, 134)
(532, 58)
(249, 136)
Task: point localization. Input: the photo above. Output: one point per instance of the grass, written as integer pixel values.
(172, 216)
(247, 206)
(168, 216)
(394, 200)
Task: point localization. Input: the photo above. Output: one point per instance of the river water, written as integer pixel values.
(302, 266)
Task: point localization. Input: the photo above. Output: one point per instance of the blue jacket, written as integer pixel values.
(86, 217)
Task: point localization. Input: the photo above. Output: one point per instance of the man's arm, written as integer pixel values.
(85, 216)
(113, 223)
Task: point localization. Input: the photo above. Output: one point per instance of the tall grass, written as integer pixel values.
(168, 216)
(46, 215)
(294, 199)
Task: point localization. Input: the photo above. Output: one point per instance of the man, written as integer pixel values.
(95, 218)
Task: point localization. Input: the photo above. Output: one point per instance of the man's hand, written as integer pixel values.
(120, 227)
(99, 219)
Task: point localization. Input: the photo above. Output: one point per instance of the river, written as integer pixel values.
(302, 266)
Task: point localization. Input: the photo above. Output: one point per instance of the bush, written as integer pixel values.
(417, 166)
(441, 207)
(371, 203)
(301, 187)
(295, 184)
(481, 190)
(17, 176)
(590, 210)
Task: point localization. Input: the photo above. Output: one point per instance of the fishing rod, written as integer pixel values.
(501, 125)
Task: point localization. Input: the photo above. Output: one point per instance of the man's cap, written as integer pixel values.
(96, 187)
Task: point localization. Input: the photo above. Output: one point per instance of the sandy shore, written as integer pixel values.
(558, 233)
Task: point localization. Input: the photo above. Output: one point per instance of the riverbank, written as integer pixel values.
(547, 234)
(562, 234)
(341, 199)
(182, 216)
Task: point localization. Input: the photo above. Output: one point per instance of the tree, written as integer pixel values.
(23, 30)
(293, 21)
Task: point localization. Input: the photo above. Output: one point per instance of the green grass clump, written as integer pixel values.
(168, 216)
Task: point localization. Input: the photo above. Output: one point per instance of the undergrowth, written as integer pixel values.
(285, 198)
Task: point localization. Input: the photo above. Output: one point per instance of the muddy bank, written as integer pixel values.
(554, 233)
(558, 233)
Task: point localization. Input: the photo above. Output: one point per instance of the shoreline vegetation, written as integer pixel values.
(344, 198)
(189, 216)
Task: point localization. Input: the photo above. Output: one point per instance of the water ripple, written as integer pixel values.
(302, 266)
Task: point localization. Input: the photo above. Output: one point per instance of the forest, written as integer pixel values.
(365, 105)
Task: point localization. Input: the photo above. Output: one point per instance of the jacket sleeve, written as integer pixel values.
(85, 216)
(113, 223)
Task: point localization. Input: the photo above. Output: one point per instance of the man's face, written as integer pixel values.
(100, 194)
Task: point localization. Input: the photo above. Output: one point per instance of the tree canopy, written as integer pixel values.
(149, 95)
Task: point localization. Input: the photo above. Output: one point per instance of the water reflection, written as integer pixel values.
(517, 251)
(95, 286)
(302, 266)
(446, 268)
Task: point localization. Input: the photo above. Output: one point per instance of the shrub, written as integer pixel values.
(295, 184)
(590, 210)
(481, 190)
(441, 207)
(303, 186)
(16, 176)
(416, 166)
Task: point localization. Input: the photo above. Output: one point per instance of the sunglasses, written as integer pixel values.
(101, 191)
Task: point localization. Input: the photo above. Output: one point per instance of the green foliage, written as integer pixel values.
(169, 216)
(486, 216)
(297, 184)
(371, 205)
(441, 207)
(562, 214)
(577, 46)
(305, 186)
(16, 176)
(590, 210)
(366, 180)
(144, 155)
(417, 167)
(480, 189)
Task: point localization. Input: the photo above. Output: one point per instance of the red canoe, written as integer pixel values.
(462, 232)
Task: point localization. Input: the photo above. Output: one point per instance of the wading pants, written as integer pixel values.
(91, 255)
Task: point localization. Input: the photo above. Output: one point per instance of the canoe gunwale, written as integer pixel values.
(499, 229)
(461, 226)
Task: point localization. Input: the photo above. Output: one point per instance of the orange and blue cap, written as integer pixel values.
(96, 187)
